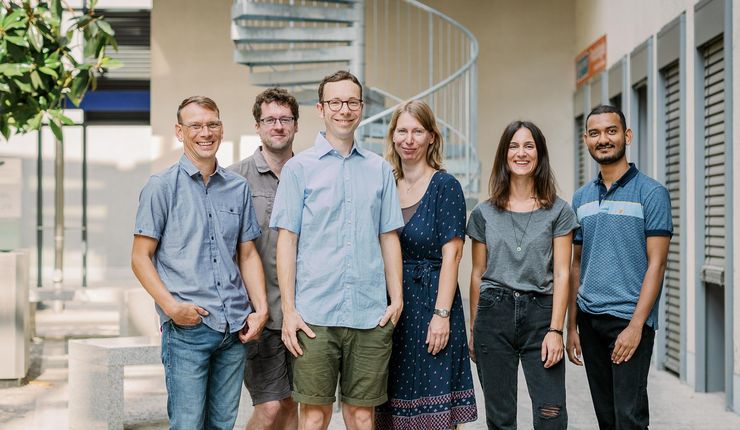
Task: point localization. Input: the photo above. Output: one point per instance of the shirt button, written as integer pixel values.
(211, 237)
(214, 260)
(209, 215)
(218, 283)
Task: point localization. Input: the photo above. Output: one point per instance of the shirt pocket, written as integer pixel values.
(229, 217)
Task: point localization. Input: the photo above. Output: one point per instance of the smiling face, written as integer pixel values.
(605, 138)
(522, 155)
(340, 125)
(277, 137)
(201, 145)
(411, 140)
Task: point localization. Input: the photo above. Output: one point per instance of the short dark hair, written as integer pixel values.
(340, 75)
(601, 109)
(274, 95)
(544, 180)
(201, 101)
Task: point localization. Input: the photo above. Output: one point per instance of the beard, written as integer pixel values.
(621, 149)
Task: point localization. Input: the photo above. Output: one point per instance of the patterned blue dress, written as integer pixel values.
(427, 392)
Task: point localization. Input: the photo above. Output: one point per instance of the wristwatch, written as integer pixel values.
(444, 313)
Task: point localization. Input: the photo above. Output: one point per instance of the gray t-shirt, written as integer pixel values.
(531, 268)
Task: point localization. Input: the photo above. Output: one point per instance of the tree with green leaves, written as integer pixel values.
(50, 55)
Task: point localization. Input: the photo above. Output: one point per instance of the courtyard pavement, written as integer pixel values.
(42, 402)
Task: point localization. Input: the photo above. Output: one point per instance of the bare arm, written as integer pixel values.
(253, 276)
(390, 248)
(287, 249)
(142, 252)
(438, 333)
(573, 346)
(629, 338)
(480, 260)
(552, 345)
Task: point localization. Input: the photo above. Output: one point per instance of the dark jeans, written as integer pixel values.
(619, 391)
(510, 326)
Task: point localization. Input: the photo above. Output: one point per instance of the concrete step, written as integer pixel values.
(310, 76)
(245, 34)
(285, 12)
(268, 57)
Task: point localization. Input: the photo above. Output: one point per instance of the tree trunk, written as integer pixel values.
(58, 220)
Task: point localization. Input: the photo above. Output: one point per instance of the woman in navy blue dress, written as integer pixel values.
(429, 384)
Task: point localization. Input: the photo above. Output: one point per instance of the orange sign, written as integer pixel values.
(591, 60)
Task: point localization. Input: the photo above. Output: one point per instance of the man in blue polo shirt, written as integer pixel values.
(339, 264)
(619, 260)
(194, 252)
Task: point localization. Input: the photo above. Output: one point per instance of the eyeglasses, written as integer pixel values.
(196, 128)
(284, 121)
(335, 105)
(417, 133)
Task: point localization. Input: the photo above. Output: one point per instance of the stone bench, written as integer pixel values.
(96, 377)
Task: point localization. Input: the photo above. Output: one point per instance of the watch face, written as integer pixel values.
(444, 313)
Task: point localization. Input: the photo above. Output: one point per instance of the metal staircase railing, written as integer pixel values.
(400, 49)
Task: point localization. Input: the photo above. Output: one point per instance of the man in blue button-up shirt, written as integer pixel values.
(339, 264)
(194, 252)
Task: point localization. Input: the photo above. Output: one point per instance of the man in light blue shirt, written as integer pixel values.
(339, 264)
(193, 252)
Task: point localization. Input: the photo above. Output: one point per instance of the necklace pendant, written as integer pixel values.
(518, 248)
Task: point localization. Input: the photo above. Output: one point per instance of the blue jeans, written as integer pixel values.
(203, 370)
(510, 326)
(619, 391)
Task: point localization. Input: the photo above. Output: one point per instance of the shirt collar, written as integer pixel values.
(260, 162)
(324, 147)
(191, 170)
(621, 182)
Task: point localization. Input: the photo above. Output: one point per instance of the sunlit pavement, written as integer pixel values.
(42, 403)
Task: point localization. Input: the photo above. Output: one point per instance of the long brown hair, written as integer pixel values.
(544, 180)
(422, 113)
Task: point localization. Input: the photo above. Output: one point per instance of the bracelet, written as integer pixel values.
(554, 330)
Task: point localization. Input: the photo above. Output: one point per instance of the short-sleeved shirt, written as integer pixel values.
(528, 270)
(615, 225)
(338, 206)
(263, 184)
(199, 228)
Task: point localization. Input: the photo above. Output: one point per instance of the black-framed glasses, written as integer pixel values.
(197, 127)
(284, 121)
(335, 105)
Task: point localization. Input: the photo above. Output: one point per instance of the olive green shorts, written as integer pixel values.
(360, 356)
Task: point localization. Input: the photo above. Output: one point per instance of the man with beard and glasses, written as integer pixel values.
(268, 374)
(617, 272)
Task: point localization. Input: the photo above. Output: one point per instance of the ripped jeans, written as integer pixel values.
(510, 326)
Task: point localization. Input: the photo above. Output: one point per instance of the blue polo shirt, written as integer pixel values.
(199, 228)
(338, 206)
(615, 225)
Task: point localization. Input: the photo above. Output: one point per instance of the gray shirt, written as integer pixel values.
(263, 184)
(531, 268)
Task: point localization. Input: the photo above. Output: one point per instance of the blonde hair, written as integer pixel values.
(422, 113)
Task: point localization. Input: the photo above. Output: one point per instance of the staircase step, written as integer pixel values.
(241, 34)
(285, 12)
(266, 57)
(291, 77)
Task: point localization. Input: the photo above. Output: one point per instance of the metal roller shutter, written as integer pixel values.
(714, 163)
(582, 153)
(672, 284)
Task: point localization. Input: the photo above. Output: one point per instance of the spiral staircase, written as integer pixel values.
(400, 49)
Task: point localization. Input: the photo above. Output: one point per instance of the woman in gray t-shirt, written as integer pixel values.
(519, 283)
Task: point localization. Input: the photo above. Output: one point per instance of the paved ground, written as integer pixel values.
(42, 403)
